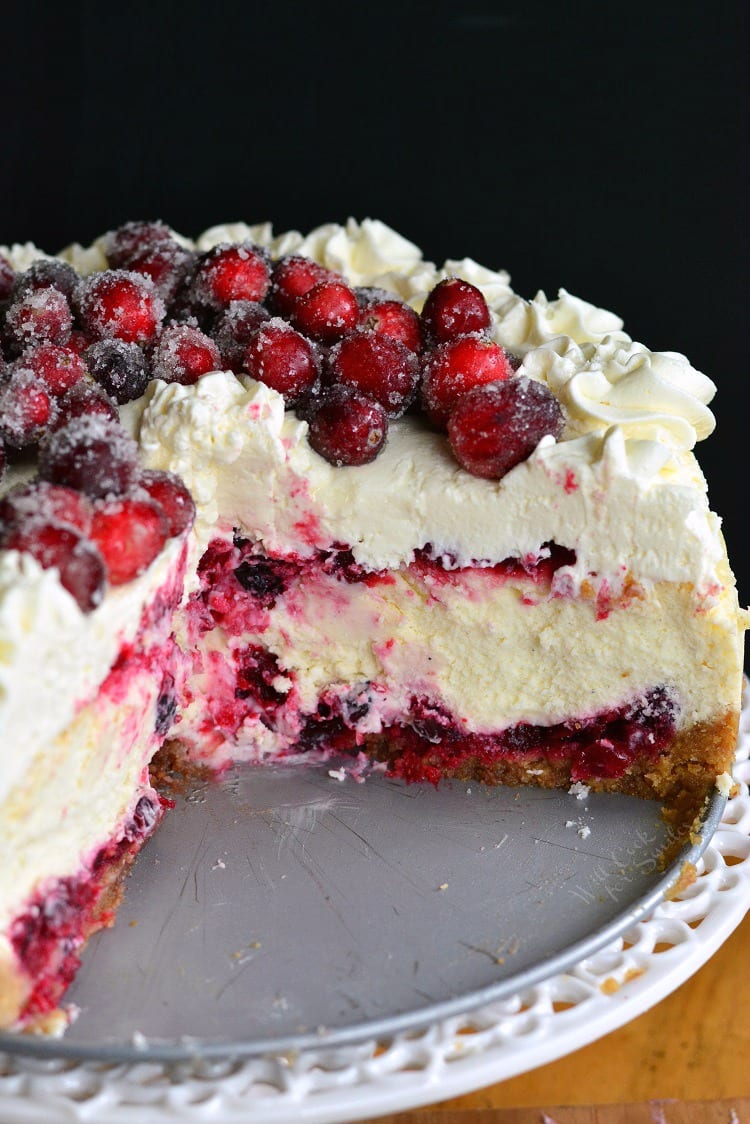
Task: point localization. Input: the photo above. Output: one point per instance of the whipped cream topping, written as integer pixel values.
(248, 464)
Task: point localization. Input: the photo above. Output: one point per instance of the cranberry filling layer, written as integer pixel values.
(49, 935)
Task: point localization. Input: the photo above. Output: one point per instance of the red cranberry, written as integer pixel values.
(234, 330)
(53, 503)
(119, 368)
(166, 262)
(129, 533)
(454, 308)
(38, 316)
(7, 277)
(348, 427)
(378, 366)
(121, 305)
(494, 427)
(46, 273)
(168, 491)
(130, 238)
(292, 276)
(183, 354)
(59, 368)
(393, 318)
(232, 273)
(457, 366)
(79, 564)
(26, 409)
(82, 399)
(280, 357)
(326, 312)
(79, 341)
(92, 454)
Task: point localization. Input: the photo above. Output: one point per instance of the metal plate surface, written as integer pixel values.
(284, 907)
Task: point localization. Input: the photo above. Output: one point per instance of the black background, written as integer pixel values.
(596, 146)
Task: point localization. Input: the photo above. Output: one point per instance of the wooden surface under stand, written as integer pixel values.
(685, 1061)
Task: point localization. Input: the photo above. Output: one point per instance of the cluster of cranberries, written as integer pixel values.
(348, 360)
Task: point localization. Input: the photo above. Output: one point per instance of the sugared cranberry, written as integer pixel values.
(84, 398)
(90, 453)
(168, 491)
(7, 277)
(78, 341)
(59, 368)
(129, 533)
(26, 409)
(454, 308)
(50, 502)
(183, 354)
(232, 273)
(234, 329)
(79, 564)
(378, 366)
(166, 262)
(393, 318)
(283, 359)
(292, 276)
(38, 316)
(46, 273)
(326, 312)
(130, 238)
(120, 368)
(348, 428)
(494, 427)
(117, 304)
(456, 367)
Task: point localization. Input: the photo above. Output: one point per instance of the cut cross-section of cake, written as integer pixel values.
(282, 497)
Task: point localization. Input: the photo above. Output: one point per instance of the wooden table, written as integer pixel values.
(686, 1061)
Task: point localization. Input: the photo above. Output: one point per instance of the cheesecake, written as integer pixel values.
(282, 497)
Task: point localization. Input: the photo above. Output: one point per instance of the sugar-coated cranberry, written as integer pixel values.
(120, 368)
(38, 316)
(348, 428)
(234, 329)
(129, 533)
(126, 240)
(496, 426)
(378, 366)
(454, 308)
(79, 564)
(292, 276)
(232, 273)
(90, 453)
(171, 494)
(394, 318)
(121, 305)
(59, 368)
(7, 277)
(166, 262)
(46, 273)
(183, 354)
(283, 359)
(53, 503)
(456, 367)
(84, 398)
(26, 409)
(78, 341)
(326, 312)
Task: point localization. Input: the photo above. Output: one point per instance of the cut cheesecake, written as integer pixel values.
(549, 607)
